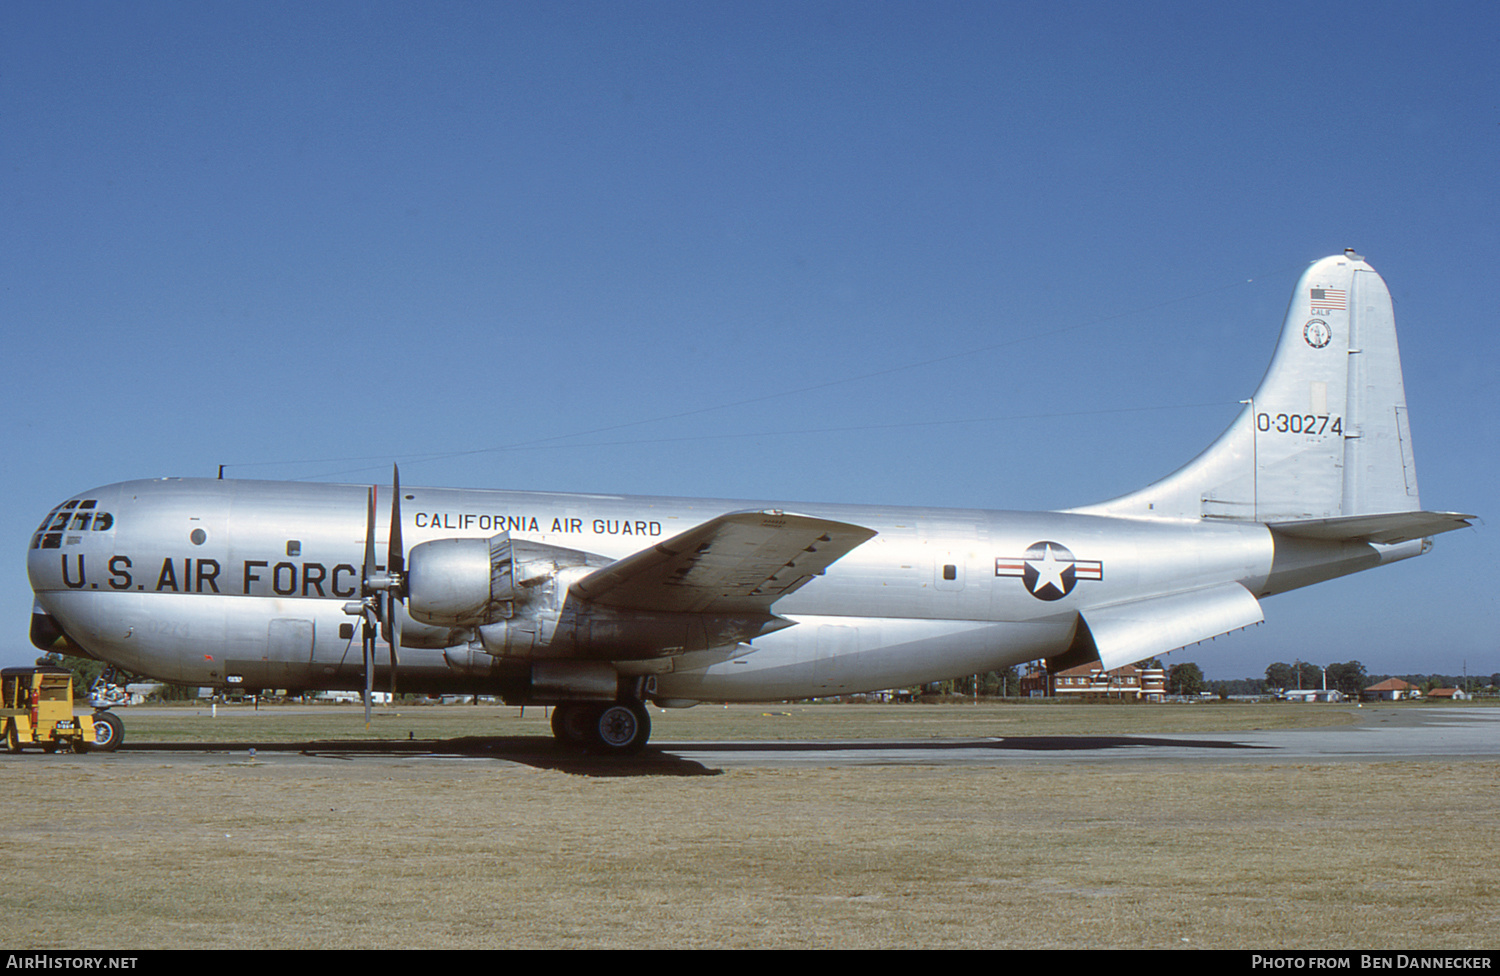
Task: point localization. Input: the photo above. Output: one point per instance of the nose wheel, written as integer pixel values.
(619, 728)
(109, 732)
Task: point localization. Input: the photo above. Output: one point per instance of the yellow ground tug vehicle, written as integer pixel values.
(36, 708)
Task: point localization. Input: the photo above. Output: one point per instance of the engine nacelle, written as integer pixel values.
(474, 582)
(509, 598)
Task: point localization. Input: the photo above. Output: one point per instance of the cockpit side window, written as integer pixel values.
(81, 514)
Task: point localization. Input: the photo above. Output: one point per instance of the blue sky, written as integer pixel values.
(1000, 255)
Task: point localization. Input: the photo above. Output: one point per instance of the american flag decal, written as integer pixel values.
(1329, 299)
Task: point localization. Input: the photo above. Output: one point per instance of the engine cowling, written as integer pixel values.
(474, 582)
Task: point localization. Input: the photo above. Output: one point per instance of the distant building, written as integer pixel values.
(1391, 689)
(347, 697)
(1090, 682)
(1449, 694)
(1312, 695)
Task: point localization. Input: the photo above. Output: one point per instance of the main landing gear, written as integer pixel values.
(616, 728)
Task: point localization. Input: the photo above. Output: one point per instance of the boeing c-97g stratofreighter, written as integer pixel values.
(596, 604)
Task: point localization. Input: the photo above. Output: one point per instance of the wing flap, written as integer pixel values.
(740, 562)
(1385, 529)
(1130, 632)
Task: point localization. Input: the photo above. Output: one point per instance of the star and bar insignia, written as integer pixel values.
(1048, 570)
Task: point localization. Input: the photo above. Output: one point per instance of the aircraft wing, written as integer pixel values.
(740, 562)
(1130, 632)
(1385, 529)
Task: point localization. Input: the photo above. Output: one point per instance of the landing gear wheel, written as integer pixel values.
(573, 723)
(109, 731)
(621, 729)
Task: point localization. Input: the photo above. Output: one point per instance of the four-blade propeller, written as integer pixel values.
(379, 592)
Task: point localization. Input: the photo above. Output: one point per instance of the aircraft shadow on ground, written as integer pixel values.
(1036, 743)
(666, 759)
(536, 751)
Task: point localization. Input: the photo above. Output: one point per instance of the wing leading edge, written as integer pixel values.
(737, 563)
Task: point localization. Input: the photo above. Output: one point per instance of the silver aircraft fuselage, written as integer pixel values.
(585, 599)
(203, 582)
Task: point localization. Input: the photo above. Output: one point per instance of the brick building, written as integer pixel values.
(1090, 682)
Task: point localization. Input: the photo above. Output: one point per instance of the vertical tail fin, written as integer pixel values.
(1326, 434)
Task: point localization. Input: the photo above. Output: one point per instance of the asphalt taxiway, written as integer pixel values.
(1429, 733)
(1381, 735)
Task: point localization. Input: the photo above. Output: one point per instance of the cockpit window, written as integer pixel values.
(76, 516)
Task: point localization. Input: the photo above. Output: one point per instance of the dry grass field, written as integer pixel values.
(284, 850)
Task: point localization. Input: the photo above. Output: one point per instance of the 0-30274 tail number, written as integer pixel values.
(1299, 423)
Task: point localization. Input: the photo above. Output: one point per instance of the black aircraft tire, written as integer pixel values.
(621, 729)
(109, 731)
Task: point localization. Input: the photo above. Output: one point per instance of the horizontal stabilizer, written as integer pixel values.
(1130, 632)
(740, 562)
(1385, 529)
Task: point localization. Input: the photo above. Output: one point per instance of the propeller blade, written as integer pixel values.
(395, 561)
(395, 567)
(394, 636)
(368, 628)
(369, 570)
(368, 646)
